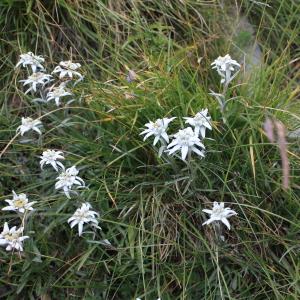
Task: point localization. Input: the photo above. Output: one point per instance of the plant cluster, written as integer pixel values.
(168, 207)
(13, 238)
(186, 141)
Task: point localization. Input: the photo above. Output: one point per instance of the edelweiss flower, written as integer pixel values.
(56, 93)
(19, 203)
(225, 66)
(67, 68)
(67, 179)
(28, 124)
(187, 141)
(12, 238)
(36, 79)
(83, 215)
(158, 129)
(33, 60)
(201, 121)
(219, 213)
(50, 157)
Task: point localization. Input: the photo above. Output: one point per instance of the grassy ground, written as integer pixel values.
(151, 208)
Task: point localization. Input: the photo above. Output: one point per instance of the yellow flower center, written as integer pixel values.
(57, 92)
(19, 203)
(36, 76)
(11, 236)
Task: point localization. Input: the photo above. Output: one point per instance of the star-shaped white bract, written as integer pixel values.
(225, 67)
(56, 93)
(186, 141)
(29, 59)
(219, 213)
(12, 238)
(29, 124)
(82, 216)
(19, 203)
(67, 179)
(200, 122)
(67, 69)
(51, 157)
(36, 80)
(158, 129)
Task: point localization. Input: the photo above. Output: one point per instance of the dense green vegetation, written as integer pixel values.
(150, 207)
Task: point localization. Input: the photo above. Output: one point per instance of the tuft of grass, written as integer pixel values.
(151, 208)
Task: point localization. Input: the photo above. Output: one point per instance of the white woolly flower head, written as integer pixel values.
(29, 124)
(225, 66)
(219, 213)
(200, 122)
(36, 80)
(67, 179)
(67, 69)
(12, 238)
(186, 141)
(158, 129)
(29, 59)
(58, 92)
(19, 203)
(83, 215)
(70, 65)
(51, 157)
(73, 171)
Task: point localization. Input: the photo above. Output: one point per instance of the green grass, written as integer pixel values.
(151, 208)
